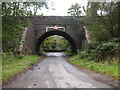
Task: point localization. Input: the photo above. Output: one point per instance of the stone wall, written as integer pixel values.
(38, 28)
(39, 24)
(27, 45)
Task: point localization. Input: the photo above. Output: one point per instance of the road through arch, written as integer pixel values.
(60, 33)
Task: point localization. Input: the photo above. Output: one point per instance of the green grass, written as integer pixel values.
(67, 53)
(0, 69)
(13, 66)
(101, 67)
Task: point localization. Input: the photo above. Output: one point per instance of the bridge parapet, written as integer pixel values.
(54, 20)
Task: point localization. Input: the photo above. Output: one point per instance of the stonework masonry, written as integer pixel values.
(38, 28)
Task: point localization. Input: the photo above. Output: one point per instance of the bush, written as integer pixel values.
(101, 52)
(89, 55)
(92, 45)
(107, 50)
(11, 33)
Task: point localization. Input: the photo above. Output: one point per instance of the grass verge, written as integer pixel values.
(14, 66)
(101, 67)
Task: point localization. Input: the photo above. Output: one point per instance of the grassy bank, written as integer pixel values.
(110, 69)
(12, 65)
(0, 69)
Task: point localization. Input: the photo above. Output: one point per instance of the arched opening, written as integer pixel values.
(60, 33)
(55, 43)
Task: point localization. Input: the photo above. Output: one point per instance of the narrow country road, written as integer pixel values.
(55, 72)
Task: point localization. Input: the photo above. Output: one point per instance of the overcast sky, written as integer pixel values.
(61, 7)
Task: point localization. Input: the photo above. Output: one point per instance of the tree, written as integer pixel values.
(102, 20)
(74, 10)
(110, 19)
(38, 5)
(22, 9)
(14, 21)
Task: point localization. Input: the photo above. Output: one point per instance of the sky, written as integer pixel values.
(61, 7)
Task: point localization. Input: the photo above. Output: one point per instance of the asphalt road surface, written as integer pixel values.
(55, 72)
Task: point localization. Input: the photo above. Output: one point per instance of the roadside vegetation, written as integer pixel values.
(101, 67)
(12, 28)
(14, 21)
(12, 65)
(101, 58)
(101, 50)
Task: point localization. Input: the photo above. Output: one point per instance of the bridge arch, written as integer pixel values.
(60, 33)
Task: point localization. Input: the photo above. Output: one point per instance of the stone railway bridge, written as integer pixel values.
(41, 28)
